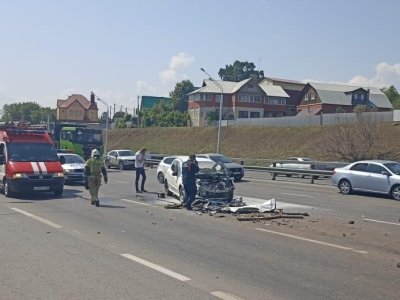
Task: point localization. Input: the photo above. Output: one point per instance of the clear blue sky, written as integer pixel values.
(122, 49)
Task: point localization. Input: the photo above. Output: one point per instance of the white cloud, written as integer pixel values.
(177, 64)
(180, 61)
(385, 75)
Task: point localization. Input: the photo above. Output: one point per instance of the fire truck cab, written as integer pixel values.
(28, 161)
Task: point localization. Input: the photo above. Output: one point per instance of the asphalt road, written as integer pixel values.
(133, 248)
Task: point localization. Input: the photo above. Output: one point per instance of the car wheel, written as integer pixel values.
(345, 186)
(160, 177)
(395, 192)
(181, 194)
(7, 191)
(58, 192)
(121, 165)
(166, 188)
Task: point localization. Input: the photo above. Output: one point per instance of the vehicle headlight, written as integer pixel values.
(67, 170)
(19, 175)
(58, 174)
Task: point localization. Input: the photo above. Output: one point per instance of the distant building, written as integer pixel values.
(292, 87)
(317, 98)
(77, 108)
(244, 99)
(151, 101)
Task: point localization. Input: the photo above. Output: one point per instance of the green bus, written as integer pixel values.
(81, 140)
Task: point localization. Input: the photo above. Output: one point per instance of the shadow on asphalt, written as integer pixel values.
(371, 195)
(111, 206)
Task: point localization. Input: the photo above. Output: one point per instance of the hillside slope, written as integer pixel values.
(244, 142)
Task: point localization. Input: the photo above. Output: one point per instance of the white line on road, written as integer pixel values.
(299, 195)
(156, 267)
(44, 221)
(378, 221)
(121, 181)
(312, 241)
(225, 296)
(137, 202)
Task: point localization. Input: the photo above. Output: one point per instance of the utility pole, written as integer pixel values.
(114, 110)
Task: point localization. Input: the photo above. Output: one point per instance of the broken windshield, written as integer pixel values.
(32, 152)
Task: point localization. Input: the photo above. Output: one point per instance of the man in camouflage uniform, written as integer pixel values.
(93, 169)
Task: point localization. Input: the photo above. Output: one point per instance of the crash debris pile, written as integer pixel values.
(237, 207)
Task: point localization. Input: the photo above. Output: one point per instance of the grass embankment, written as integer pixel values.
(239, 142)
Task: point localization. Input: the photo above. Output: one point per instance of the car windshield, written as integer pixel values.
(126, 153)
(220, 158)
(73, 159)
(32, 152)
(394, 167)
(83, 136)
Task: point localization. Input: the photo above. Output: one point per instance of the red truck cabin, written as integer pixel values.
(29, 162)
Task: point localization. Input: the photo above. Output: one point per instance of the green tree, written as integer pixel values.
(179, 96)
(240, 71)
(393, 96)
(27, 111)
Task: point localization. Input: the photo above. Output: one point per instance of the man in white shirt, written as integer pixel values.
(139, 165)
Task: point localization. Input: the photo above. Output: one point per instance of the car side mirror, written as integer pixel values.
(62, 160)
(175, 173)
(386, 173)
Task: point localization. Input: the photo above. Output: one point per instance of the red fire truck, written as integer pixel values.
(28, 161)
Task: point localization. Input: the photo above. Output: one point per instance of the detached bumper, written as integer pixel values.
(25, 185)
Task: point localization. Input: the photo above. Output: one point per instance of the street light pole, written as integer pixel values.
(220, 106)
(106, 104)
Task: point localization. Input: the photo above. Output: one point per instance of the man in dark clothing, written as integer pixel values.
(189, 170)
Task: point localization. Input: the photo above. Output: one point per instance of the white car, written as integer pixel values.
(212, 181)
(295, 163)
(121, 159)
(163, 166)
(73, 166)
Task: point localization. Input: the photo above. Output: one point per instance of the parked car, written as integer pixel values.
(121, 159)
(73, 166)
(163, 166)
(212, 181)
(233, 169)
(376, 176)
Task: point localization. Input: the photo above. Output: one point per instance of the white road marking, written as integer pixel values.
(112, 246)
(299, 195)
(121, 181)
(156, 267)
(40, 219)
(312, 241)
(378, 221)
(225, 296)
(137, 202)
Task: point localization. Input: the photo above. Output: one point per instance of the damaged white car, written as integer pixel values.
(212, 180)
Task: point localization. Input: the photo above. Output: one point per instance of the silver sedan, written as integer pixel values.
(376, 176)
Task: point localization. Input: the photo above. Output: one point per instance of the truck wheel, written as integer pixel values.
(58, 192)
(7, 191)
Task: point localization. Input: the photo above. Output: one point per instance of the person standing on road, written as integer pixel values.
(94, 169)
(189, 170)
(139, 165)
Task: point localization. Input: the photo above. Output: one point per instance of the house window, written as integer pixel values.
(306, 97)
(207, 97)
(362, 96)
(243, 114)
(312, 96)
(254, 114)
(217, 98)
